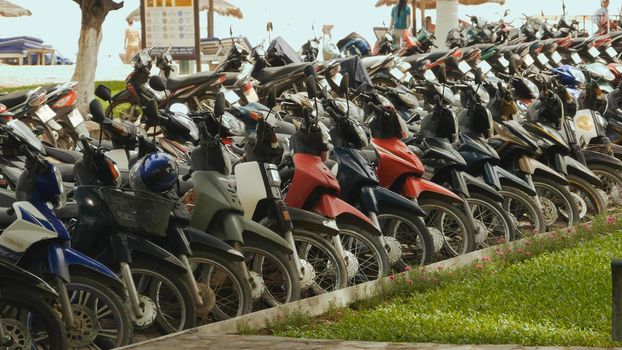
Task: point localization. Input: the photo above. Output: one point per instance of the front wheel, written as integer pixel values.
(612, 183)
(452, 230)
(103, 318)
(168, 305)
(272, 269)
(411, 233)
(226, 293)
(589, 200)
(494, 226)
(28, 321)
(558, 205)
(366, 257)
(324, 270)
(524, 211)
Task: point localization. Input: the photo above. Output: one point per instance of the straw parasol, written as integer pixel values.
(221, 7)
(9, 9)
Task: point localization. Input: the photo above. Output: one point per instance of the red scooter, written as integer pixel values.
(448, 218)
(310, 185)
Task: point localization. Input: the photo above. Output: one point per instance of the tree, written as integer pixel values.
(94, 13)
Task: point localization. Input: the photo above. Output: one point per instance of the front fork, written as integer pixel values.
(126, 275)
(191, 281)
(289, 237)
(529, 179)
(65, 303)
(5, 339)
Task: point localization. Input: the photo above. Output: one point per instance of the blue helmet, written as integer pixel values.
(155, 172)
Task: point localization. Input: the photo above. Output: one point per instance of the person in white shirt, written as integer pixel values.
(601, 16)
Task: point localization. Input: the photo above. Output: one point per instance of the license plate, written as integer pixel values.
(593, 52)
(75, 118)
(528, 60)
(396, 73)
(612, 52)
(484, 67)
(323, 83)
(575, 58)
(230, 95)
(464, 67)
(543, 59)
(503, 62)
(337, 79)
(404, 67)
(45, 113)
(429, 75)
(556, 57)
(407, 77)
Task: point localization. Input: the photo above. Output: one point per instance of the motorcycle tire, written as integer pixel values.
(149, 276)
(524, 210)
(131, 112)
(40, 312)
(68, 138)
(452, 244)
(97, 306)
(591, 202)
(416, 243)
(328, 266)
(496, 223)
(612, 183)
(557, 204)
(224, 281)
(274, 266)
(363, 245)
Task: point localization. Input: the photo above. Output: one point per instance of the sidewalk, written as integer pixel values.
(197, 340)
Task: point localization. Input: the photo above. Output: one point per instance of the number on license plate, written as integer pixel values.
(556, 57)
(593, 52)
(75, 118)
(528, 60)
(543, 59)
(464, 67)
(484, 67)
(45, 113)
(396, 73)
(575, 58)
(612, 52)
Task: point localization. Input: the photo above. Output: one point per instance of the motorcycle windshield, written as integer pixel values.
(24, 133)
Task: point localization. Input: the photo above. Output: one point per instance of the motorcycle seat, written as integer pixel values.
(66, 172)
(69, 211)
(15, 98)
(269, 74)
(230, 78)
(64, 155)
(7, 217)
(193, 79)
(369, 62)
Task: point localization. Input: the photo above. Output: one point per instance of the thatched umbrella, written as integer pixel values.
(221, 7)
(9, 9)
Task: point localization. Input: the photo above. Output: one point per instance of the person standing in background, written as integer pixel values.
(601, 16)
(400, 21)
(429, 26)
(131, 42)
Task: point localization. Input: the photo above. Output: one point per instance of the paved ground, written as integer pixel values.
(195, 340)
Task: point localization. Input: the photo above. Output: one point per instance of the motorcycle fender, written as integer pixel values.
(420, 188)
(252, 228)
(477, 185)
(577, 168)
(125, 246)
(17, 277)
(507, 178)
(531, 166)
(200, 238)
(594, 157)
(333, 207)
(491, 177)
(74, 258)
(313, 222)
(389, 199)
(617, 150)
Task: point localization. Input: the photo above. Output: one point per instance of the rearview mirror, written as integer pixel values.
(271, 101)
(151, 109)
(344, 85)
(157, 83)
(478, 76)
(219, 105)
(103, 92)
(311, 88)
(309, 71)
(442, 74)
(97, 111)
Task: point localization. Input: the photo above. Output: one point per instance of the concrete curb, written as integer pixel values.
(319, 305)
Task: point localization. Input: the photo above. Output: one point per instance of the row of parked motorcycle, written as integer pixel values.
(277, 177)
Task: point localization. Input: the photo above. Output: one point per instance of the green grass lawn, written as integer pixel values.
(114, 85)
(558, 297)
